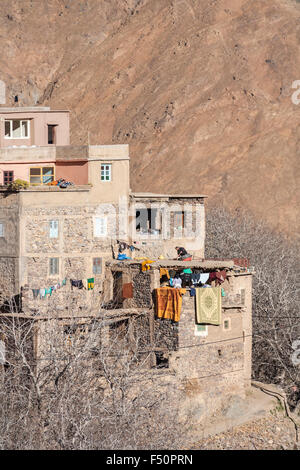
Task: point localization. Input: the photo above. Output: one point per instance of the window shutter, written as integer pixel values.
(1, 230)
(97, 265)
(100, 227)
(53, 228)
(53, 265)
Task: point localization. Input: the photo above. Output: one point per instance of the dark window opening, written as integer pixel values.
(51, 134)
(8, 177)
(162, 360)
(147, 221)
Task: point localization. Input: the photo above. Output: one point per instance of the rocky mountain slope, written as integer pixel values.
(200, 90)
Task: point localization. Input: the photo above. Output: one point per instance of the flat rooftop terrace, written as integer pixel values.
(168, 263)
(49, 189)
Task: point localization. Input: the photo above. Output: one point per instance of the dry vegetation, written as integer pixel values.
(91, 386)
(276, 314)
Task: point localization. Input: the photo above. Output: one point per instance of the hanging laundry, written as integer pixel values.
(146, 264)
(164, 272)
(76, 283)
(35, 293)
(42, 293)
(122, 256)
(192, 292)
(168, 303)
(172, 273)
(48, 291)
(208, 305)
(218, 276)
(177, 282)
(195, 278)
(91, 283)
(85, 284)
(204, 278)
(64, 282)
(127, 291)
(187, 271)
(186, 279)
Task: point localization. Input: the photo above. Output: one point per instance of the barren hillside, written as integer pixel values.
(200, 89)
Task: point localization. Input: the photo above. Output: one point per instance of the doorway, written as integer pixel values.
(52, 134)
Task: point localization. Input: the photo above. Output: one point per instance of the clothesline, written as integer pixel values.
(87, 284)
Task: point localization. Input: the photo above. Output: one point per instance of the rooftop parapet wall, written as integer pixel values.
(25, 154)
(19, 155)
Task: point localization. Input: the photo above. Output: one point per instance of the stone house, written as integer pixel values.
(50, 234)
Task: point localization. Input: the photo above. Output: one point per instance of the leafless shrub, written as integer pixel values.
(276, 314)
(84, 384)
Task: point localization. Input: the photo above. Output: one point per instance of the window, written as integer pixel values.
(53, 228)
(8, 177)
(51, 133)
(201, 330)
(226, 324)
(1, 230)
(106, 172)
(16, 129)
(162, 360)
(100, 227)
(53, 266)
(97, 265)
(147, 221)
(179, 220)
(41, 175)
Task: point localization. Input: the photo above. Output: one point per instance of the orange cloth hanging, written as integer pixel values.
(169, 302)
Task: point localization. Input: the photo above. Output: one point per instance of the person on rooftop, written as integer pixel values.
(182, 254)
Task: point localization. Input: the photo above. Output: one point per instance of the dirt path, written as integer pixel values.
(273, 432)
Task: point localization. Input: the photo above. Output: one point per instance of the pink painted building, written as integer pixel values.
(35, 147)
(33, 126)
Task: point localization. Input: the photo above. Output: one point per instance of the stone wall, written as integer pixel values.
(214, 368)
(75, 246)
(9, 246)
(164, 243)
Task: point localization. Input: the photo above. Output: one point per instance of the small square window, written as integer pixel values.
(226, 324)
(97, 265)
(54, 266)
(201, 330)
(106, 172)
(8, 177)
(100, 227)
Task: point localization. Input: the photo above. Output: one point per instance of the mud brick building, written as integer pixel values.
(50, 233)
(211, 363)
